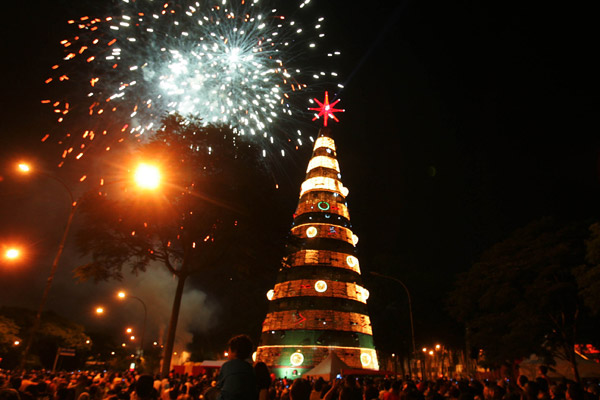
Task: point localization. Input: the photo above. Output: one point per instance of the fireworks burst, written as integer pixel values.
(236, 65)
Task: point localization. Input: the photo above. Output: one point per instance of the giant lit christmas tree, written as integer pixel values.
(318, 304)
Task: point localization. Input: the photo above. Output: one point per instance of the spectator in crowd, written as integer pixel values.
(9, 394)
(263, 380)
(300, 390)
(237, 380)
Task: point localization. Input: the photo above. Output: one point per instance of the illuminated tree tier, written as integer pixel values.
(318, 304)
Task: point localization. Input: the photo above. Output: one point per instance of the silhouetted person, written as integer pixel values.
(371, 392)
(9, 394)
(211, 392)
(351, 390)
(15, 383)
(300, 390)
(263, 380)
(237, 380)
(317, 389)
(144, 388)
(574, 392)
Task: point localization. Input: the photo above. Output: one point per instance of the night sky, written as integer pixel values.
(464, 121)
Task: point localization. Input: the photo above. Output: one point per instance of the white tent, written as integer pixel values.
(328, 369)
(562, 368)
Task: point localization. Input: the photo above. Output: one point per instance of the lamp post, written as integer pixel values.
(441, 350)
(146, 176)
(24, 168)
(412, 327)
(122, 295)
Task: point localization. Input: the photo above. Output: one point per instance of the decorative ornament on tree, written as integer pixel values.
(296, 359)
(326, 110)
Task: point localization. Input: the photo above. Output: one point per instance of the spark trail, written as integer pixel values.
(235, 64)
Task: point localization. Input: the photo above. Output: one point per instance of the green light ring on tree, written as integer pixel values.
(324, 207)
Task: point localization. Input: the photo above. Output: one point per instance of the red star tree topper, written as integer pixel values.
(326, 110)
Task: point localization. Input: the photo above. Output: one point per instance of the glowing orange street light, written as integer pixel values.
(24, 167)
(128, 330)
(122, 295)
(12, 253)
(99, 310)
(147, 176)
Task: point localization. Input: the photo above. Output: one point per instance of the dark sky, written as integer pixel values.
(464, 121)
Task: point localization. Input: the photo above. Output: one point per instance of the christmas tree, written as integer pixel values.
(318, 304)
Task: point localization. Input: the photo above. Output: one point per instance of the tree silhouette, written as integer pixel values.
(55, 331)
(203, 217)
(522, 296)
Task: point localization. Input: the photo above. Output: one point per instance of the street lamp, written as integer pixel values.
(26, 168)
(442, 350)
(23, 167)
(123, 295)
(410, 313)
(12, 253)
(147, 176)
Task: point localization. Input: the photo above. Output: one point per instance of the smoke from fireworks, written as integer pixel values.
(237, 65)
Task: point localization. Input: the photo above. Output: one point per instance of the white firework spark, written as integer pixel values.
(230, 64)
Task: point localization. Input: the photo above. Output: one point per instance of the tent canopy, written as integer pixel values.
(329, 368)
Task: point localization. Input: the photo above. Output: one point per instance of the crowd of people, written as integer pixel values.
(41, 385)
(240, 380)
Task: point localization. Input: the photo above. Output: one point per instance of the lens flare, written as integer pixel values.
(147, 176)
(12, 254)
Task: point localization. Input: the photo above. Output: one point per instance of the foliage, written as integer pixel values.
(521, 297)
(194, 219)
(208, 216)
(55, 331)
(9, 331)
(64, 332)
